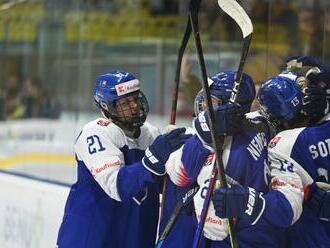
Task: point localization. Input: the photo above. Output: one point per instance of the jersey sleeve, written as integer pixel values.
(184, 164)
(99, 149)
(284, 204)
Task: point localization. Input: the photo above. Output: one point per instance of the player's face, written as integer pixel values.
(128, 107)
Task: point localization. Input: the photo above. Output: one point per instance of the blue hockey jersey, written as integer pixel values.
(244, 158)
(298, 158)
(115, 201)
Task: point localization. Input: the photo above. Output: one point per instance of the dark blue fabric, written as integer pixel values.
(132, 179)
(319, 202)
(315, 102)
(182, 232)
(93, 219)
(278, 210)
(228, 120)
(246, 165)
(193, 162)
(312, 231)
(235, 202)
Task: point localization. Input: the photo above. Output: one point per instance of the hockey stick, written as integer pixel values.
(176, 83)
(234, 10)
(180, 204)
(181, 51)
(186, 199)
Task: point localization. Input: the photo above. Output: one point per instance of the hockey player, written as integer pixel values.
(244, 157)
(316, 107)
(297, 158)
(115, 201)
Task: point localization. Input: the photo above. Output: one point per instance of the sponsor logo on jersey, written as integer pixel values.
(210, 220)
(127, 87)
(103, 122)
(276, 183)
(95, 171)
(274, 141)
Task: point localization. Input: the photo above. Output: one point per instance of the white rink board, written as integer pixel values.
(44, 148)
(30, 212)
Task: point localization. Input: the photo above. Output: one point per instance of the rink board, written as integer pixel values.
(31, 211)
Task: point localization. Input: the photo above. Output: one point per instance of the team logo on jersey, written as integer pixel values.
(274, 141)
(103, 122)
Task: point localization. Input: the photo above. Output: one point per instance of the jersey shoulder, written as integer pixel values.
(104, 128)
(150, 129)
(285, 141)
(148, 135)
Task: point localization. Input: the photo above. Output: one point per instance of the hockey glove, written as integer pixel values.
(307, 61)
(317, 90)
(319, 201)
(323, 76)
(157, 154)
(245, 203)
(228, 119)
(315, 103)
(186, 194)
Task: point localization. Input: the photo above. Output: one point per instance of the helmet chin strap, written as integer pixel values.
(129, 130)
(273, 123)
(134, 134)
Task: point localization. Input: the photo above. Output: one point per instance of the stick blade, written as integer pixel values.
(235, 11)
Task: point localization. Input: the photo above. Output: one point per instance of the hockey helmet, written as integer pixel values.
(221, 86)
(281, 97)
(111, 88)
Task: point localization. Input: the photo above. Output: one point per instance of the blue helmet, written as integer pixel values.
(117, 85)
(280, 97)
(221, 86)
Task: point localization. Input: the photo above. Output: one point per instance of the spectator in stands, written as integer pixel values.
(161, 7)
(260, 66)
(13, 106)
(2, 106)
(189, 87)
(37, 101)
(33, 98)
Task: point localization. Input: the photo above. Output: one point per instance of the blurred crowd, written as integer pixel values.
(26, 99)
(281, 28)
